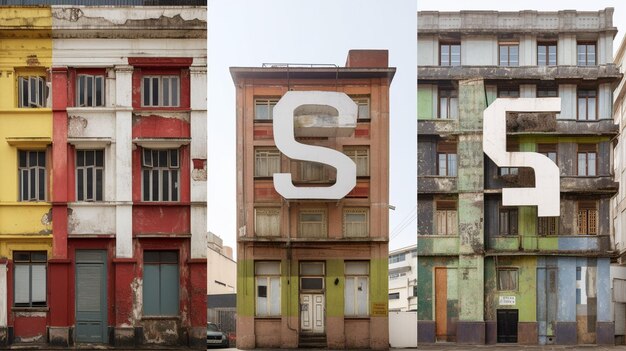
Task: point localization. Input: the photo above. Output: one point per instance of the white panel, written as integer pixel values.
(528, 51)
(479, 51)
(402, 330)
(274, 296)
(353, 268)
(427, 52)
(265, 268)
(567, 93)
(566, 49)
(349, 296)
(605, 100)
(198, 231)
(22, 283)
(261, 302)
(91, 219)
(362, 295)
(3, 295)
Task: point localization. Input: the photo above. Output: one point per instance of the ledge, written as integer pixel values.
(162, 143)
(89, 143)
(34, 143)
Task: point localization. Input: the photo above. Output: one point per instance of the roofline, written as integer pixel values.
(311, 72)
(403, 249)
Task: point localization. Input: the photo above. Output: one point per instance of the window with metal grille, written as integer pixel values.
(508, 221)
(32, 91)
(448, 104)
(160, 283)
(546, 54)
(356, 222)
(507, 279)
(587, 105)
(29, 274)
(586, 54)
(267, 221)
(160, 91)
(160, 175)
(508, 54)
(587, 160)
(266, 162)
(267, 288)
(587, 218)
(90, 90)
(264, 109)
(361, 157)
(450, 54)
(312, 223)
(89, 175)
(356, 290)
(32, 175)
(446, 218)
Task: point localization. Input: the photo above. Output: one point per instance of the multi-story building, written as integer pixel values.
(25, 158)
(221, 268)
(489, 273)
(117, 148)
(403, 279)
(313, 272)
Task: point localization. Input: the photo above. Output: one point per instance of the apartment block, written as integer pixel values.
(313, 272)
(489, 273)
(403, 279)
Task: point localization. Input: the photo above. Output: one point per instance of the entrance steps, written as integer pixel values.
(312, 341)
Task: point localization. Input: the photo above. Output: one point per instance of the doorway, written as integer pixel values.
(91, 297)
(312, 298)
(507, 326)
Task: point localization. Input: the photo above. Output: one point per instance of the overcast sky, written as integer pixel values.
(250, 33)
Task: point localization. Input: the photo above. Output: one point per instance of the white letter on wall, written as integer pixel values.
(322, 125)
(546, 192)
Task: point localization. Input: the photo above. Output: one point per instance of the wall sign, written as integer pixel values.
(506, 301)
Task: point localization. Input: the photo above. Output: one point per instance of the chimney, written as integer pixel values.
(368, 59)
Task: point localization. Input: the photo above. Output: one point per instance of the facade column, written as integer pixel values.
(124, 263)
(198, 261)
(59, 264)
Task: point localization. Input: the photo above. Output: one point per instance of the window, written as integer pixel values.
(89, 175)
(547, 225)
(394, 296)
(266, 162)
(396, 275)
(267, 292)
(548, 150)
(356, 291)
(508, 92)
(546, 54)
(356, 223)
(547, 90)
(32, 91)
(397, 258)
(448, 104)
(586, 54)
(312, 172)
(414, 290)
(587, 159)
(160, 283)
(363, 104)
(587, 218)
(312, 223)
(509, 54)
(361, 157)
(450, 54)
(507, 279)
(508, 221)
(264, 109)
(312, 275)
(160, 175)
(29, 278)
(586, 108)
(267, 221)
(160, 91)
(32, 174)
(506, 171)
(446, 218)
(90, 90)
(446, 159)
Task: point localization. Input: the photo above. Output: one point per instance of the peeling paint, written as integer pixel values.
(135, 315)
(76, 125)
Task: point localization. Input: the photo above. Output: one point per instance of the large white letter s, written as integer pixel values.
(323, 125)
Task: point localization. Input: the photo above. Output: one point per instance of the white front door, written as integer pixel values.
(312, 313)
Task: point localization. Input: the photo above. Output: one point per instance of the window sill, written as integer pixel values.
(26, 203)
(268, 317)
(177, 317)
(30, 309)
(357, 317)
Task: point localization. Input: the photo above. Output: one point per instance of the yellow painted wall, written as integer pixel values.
(25, 49)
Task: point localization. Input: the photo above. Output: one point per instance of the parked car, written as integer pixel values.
(215, 337)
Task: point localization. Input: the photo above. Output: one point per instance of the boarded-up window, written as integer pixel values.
(356, 291)
(160, 283)
(312, 223)
(507, 279)
(267, 221)
(266, 162)
(267, 289)
(446, 218)
(587, 218)
(356, 222)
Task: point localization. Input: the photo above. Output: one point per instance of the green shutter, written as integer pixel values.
(169, 289)
(151, 293)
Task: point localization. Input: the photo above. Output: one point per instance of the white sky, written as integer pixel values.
(619, 16)
(250, 33)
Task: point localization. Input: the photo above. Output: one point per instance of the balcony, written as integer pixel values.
(428, 245)
(572, 244)
(437, 126)
(521, 72)
(436, 184)
(599, 184)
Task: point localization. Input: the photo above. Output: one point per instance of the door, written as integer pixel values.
(507, 326)
(441, 304)
(312, 313)
(90, 277)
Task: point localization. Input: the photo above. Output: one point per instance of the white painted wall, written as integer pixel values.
(404, 284)
(198, 151)
(221, 269)
(403, 329)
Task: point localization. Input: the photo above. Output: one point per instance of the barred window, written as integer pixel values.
(160, 175)
(587, 218)
(547, 225)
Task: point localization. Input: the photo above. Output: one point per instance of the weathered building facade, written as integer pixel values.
(489, 273)
(313, 272)
(122, 165)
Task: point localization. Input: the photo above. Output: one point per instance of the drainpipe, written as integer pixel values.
(289, 270)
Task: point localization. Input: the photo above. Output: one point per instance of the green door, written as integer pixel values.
(91, 297)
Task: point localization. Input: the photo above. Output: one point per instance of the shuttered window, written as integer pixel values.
(267, 288)
(29, 278)
(547, 225)
(446, 218)
(356, 290)
(160, 283)
(587, 218)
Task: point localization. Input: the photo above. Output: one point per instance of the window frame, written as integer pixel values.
(94, 168)
(356, 277)
(160, 98)
(448, 149)
(587, 45)
(447, 207)
(507, 269)
(586, 150)
(547, 45)
(149, 166)
(508, 91)
(582, 93)
(271, 103)
(547, 226)
(41, 91)
(355, 153)
(36, 169)
(30, 263)
(448, 94)
(260, 210)
(361, 101)
(323, 222)
(546, 88)
(356, 210)
(549, 148)
(268, 279)
(267, 154)
(449, 45)
(512, 221)
(508, 45)
(94, 78)
(587, 209)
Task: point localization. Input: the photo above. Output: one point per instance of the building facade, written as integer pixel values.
(403, 279)
(313, 272)
(122, 165)
(489, 273)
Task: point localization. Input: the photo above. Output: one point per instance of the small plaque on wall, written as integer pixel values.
(507, 301)
(379, 309)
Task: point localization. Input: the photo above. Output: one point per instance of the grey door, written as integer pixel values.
(91, 297)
